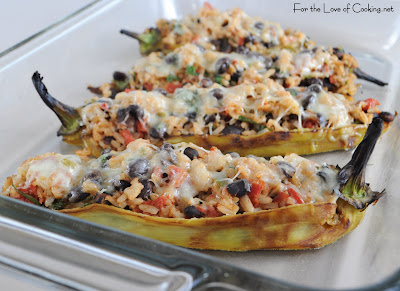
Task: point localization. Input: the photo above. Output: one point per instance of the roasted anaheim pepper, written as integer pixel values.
(192, 197)
(259, 119)
(297, 60)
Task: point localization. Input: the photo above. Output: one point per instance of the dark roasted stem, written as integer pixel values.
(69, 116)
(352, 176)
(150, 40)
(362, 75)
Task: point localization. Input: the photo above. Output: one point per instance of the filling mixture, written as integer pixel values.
(192, 64)
(247, 109)
(181, 180)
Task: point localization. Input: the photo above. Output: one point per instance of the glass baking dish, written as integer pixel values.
(85, 49)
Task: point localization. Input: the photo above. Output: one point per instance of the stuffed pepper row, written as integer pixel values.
(285, 202)
(260, 119)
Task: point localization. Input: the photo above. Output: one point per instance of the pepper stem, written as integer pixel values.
(69, 116)
(352, 176)
(362, 75)
(150, 41)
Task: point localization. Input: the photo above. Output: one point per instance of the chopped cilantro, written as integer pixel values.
(292, 92)
(171, 78)
(57, 204)
(191, 70)
(218, 79)
(257, 126)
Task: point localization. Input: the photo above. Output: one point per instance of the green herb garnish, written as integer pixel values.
(191, 70)
(222, 183)
(292, 92)
(171, 78)
(58, 204)
(27, 196)
(257, 126)
(218, 79)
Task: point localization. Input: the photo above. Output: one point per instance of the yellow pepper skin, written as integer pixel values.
(302, 226)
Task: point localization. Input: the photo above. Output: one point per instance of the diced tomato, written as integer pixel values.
(127, 90)
(255, 191)
(332, 79)
(210, 211)
(104, 106)
(241, 41)
(177, 175)
(127, 135)
(148, 86)
(370, 102)
(171, 87)
(159, 202)
(157, 171)
(309, 123)
(282, 196)
(196, 38)
(31, 191)
(234, 62)
(296, 196)
(208, 5)
(141, 127)
(198, 70)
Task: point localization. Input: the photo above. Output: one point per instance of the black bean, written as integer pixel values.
(259, 25)
(310, 81)
(108, 139)
(95, 90)
(193, 212)
(232, 129)
(217, 93)
(275, 58)
(154, 133)
(167, 155)
(94, 176)
(135, 111)
(269, 44)
(209, 118)
(268, 62)
(386, 116)
(269, 116)
(338, 52)
(191, 153)
(104, 160)
(327, 83)
(106, 151)
(250, 38)
(77, 195)
(321, 120)
(317, 88)
(120, 76)
(222, 65)
(121, 114)
(164, 175)
(242, 50)
(121, 185)
(287, 169)
(138, 167)
(307, 101)
(293, 117)
(206, 82)
(191, 115)
(222, 45)
(171, 59)
(167, 146)
(323, 176)
(162, 91)
(236, 75)
(99, 198)
(147, 189)
(239, 188)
